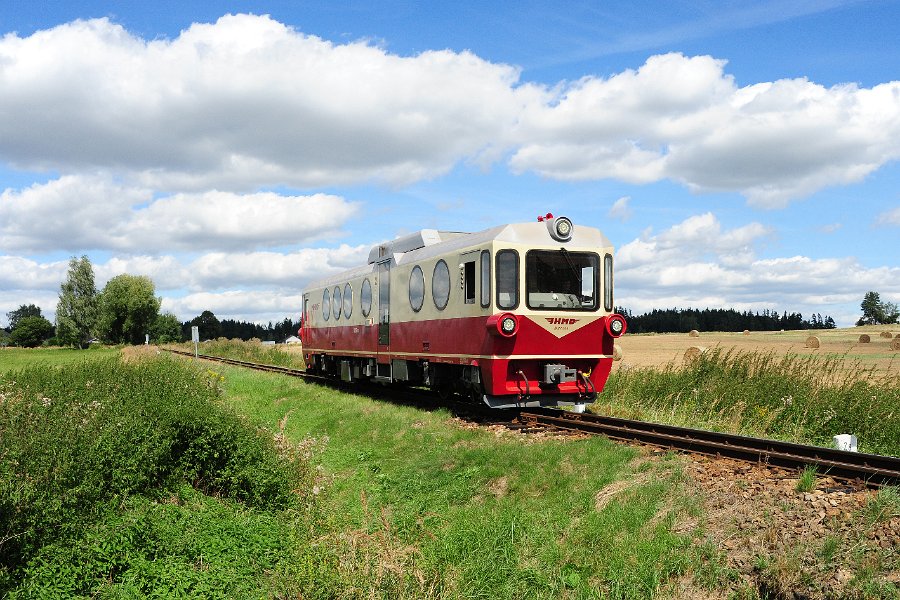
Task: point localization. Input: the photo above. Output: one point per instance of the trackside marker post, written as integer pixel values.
(195, 337)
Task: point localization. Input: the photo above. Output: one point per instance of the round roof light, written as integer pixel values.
(561, 228)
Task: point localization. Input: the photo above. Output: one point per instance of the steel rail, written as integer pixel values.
(872, 469)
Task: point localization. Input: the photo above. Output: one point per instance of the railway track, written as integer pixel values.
(869, 469)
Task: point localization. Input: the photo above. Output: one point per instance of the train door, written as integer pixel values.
(384, 306)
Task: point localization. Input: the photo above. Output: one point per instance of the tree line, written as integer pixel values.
(210, 327)
(683, 320)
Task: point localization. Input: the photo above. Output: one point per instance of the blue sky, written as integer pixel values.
(739, 155)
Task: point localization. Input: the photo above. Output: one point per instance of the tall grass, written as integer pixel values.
(251, 351)
(806, 399)
(92, 452)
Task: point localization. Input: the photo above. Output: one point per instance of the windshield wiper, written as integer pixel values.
(575, 272)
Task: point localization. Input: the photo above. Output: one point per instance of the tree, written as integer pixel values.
(876, 312)
(26, 310)
(76, 311)
(31, 332)
(128, 308)
(166, 329)
(208, 324)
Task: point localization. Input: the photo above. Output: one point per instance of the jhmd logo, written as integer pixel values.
(561, 326)
(561, 321)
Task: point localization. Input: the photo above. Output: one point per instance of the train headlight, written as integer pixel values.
(508, 325)
(561, 228)
(503, 325)
(615, 325)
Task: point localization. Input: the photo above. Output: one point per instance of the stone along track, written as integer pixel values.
(870, 469)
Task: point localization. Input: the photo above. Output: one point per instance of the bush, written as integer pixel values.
(77, 440)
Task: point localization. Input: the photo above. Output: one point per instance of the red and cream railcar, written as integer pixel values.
(516, 315)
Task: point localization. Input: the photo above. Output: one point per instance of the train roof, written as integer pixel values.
(429, 243)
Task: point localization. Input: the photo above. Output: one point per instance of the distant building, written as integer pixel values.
(292, 340)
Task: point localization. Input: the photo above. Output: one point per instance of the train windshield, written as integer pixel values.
(561, 280)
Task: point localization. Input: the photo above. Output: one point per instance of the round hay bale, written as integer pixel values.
(617, 353)
(694, 333)
(812, 342)
(746, 332)
(864, 339)
(886, 334)
(692, 354)
(895, 343)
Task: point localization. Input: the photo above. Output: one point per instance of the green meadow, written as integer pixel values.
(162, 477)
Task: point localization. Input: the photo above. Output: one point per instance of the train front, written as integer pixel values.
(553, 329)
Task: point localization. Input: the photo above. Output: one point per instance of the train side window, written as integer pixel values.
(326, 305)
(507, 262)
(348, 301)
(485, 279)
(440, 285)
(608, 282)
(336, 304)
(416, 288)
(469, 282)
(365, 297)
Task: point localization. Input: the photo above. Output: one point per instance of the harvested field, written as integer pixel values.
(655, 350)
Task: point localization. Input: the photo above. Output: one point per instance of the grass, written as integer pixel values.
(806, 399)
(251, 351)
(417, 506)
(19, 358)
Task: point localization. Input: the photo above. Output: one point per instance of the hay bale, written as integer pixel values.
(617, 353)
(895, 343)
(864, 339)
(692, 354)
(694, 333)
(746, 332)
(812, 342)
(886, 334)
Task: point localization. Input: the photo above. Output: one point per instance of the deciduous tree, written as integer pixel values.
(31, 332)
(76, 311)
(127, 310)
(26, 310)
(166, 329)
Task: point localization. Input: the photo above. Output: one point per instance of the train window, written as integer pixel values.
(416, 288)
(326, 305)
(336, 302)
(485, 279)
(348, 301)
(469, 282)
(561, 280)
(608, 282)
(365, 297)
(507, 279)
(440, 285)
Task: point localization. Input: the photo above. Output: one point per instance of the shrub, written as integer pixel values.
(76, 440)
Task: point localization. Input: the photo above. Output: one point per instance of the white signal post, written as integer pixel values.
(195, 337)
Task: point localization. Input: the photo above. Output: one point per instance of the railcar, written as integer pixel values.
(513, 316)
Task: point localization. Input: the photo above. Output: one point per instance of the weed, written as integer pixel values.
(807, 480)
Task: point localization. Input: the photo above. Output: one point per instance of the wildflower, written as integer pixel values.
(46, 401)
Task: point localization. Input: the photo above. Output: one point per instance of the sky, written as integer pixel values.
(738, 154)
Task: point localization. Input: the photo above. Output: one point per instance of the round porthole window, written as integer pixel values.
(348, 301)
(336, 305)
(440, 285)
(365, 297)
(416, 288)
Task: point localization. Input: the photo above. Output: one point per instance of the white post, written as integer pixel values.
(195, 337)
